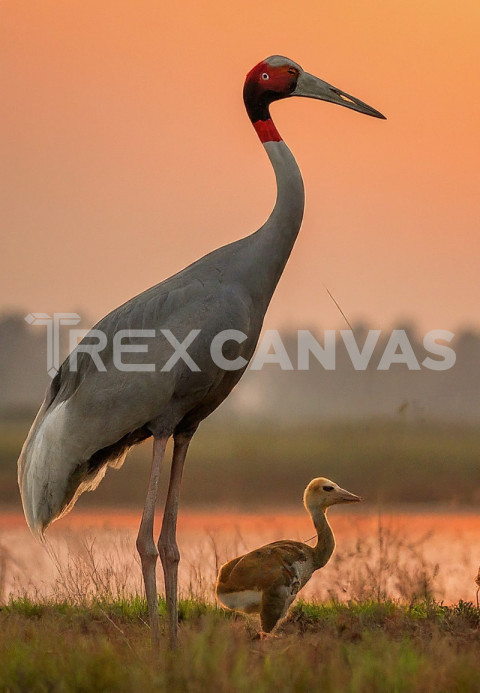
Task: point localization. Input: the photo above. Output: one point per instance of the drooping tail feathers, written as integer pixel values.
(53, 469)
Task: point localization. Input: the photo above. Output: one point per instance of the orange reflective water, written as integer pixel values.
(400, 555)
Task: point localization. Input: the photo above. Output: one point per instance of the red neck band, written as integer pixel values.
(267, 131)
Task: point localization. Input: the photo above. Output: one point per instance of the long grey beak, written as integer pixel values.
(314, 88)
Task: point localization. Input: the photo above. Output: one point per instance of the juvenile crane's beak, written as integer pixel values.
(314, 88)
(345, 496)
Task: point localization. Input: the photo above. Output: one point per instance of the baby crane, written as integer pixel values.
(90, 417)
(267, 580)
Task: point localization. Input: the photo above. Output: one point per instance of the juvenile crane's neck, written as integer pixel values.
(325, 545)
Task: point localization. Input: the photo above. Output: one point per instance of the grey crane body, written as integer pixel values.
(230, 288)
(91, 417)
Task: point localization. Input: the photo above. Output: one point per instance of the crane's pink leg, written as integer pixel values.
(167, 543)
(145, 542)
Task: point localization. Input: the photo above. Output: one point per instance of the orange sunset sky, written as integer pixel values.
(126, 153)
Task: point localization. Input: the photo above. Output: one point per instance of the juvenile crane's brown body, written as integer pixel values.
(267, 580)
(91, 417)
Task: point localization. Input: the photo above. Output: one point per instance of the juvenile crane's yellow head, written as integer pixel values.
(321, 493)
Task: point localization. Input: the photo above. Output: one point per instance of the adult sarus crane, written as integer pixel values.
(95, 411)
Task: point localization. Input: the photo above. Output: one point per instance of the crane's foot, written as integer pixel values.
(262, 635)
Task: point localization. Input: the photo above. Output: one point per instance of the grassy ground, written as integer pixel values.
(101, 642)
(355, 647)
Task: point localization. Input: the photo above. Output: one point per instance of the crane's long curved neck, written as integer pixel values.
(325, 545)
(273, 242)
(285, 220)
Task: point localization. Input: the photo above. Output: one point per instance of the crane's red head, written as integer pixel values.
(273, 79)
(278, 78)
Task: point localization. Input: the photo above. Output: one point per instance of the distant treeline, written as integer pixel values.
(267, 466)
(274, 394)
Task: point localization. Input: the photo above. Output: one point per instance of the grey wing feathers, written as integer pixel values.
(91, 417)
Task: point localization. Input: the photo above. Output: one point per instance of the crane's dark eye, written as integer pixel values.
(265, 75)
(327, 488)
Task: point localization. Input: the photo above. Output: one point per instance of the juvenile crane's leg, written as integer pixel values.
(167, 543)
(274, 607)
(145, 542)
